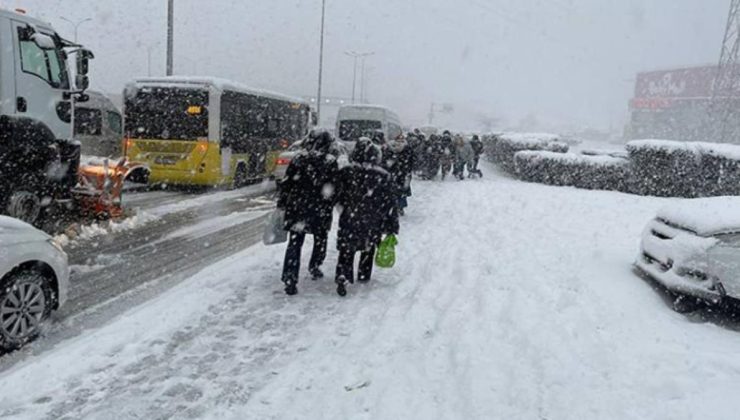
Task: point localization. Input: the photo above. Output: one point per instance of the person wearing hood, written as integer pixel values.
(398, 159)
(447, 153)
(366, 195)
(307, 195)
(464, 156)
(477, 146)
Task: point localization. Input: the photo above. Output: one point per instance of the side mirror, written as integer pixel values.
(83, 61)
(45, 42)
(82, 82)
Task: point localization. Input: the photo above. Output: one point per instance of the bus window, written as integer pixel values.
(114, 122)
(167, 114)
(88, 122)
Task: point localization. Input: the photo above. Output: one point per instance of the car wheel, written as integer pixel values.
(685, 304)
(25, 303)
(25, 206)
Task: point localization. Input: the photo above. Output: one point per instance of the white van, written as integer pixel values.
(355, 121)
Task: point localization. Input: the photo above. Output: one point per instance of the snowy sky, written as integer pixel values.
(565, 61)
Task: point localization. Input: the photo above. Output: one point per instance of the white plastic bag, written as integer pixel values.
(274, 232)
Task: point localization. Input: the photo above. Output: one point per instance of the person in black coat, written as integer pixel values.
(307, 196)
(398, 159)
(477, 145)
(366, 194)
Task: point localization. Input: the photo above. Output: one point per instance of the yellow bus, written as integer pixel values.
(207, 131)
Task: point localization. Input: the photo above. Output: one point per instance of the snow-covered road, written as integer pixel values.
(509, 300)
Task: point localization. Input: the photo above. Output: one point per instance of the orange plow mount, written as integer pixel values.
(99, 188)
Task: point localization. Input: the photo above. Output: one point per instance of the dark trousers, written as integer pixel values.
(292, 263)
(345, 264)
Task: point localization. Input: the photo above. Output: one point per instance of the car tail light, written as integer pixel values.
(283, 161)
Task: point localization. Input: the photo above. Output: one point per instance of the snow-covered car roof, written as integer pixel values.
(704, 216)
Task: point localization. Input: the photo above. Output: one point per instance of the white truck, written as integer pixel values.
(39, 161)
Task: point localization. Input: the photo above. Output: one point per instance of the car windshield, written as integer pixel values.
(354, 129)
(531, 230)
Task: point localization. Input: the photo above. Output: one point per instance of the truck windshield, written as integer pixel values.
(164, 113)
(354, 129)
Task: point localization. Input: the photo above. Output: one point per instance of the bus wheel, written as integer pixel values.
(25, 206)
(240, 176)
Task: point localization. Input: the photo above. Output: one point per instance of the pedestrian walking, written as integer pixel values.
(464, 157)
(398, 159)
(366, 194)
(307, 197)
(477, 146)
(447, 153)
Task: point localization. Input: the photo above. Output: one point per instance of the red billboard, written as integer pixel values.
(686, 83)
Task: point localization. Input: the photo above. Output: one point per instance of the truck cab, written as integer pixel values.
(38, 156)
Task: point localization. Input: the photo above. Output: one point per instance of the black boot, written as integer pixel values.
(341, 288)
(291, 288)
(316, 273)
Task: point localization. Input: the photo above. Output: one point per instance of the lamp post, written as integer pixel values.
(76, 24)
(321, 62)
(362, 81)
(355, 56)
(170, 35)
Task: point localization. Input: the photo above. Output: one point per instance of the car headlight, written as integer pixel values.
(56, 244)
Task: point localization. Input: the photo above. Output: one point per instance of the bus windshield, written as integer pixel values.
(354, 129)
(161, 113)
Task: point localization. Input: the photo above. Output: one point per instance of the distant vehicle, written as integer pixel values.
(355, 121)
(38, 159)
(207, 131)
(338, 149)
(98, 126)
(693, 249)
(429, 130)
(34, 278)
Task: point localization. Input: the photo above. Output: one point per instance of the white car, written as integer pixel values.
(34, 279)
(693, 249)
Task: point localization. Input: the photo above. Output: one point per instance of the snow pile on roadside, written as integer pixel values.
(87, 232)
(486, 315)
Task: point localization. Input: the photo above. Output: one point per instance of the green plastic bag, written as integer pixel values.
(386, 255)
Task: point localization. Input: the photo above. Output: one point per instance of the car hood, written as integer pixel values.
(14, 231)
(704, 216)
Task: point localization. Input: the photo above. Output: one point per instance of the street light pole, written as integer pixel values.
(170, 35)
(76, 25)
(362, 81)
(321, 62)
(354, 56)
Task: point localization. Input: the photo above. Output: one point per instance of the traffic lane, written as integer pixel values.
(137, 270)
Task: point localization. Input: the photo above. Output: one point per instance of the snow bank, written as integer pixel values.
(501, 148)
(685, 169)
(569, 169)
(87, 232)
(704, 216)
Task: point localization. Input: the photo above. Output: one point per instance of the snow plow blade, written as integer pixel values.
(100, 187)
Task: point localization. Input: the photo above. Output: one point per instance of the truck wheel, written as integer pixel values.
(25, 303)
(24, 206)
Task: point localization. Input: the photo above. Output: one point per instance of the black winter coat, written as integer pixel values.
(400, 164)
(308, 192)
(368, 198)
